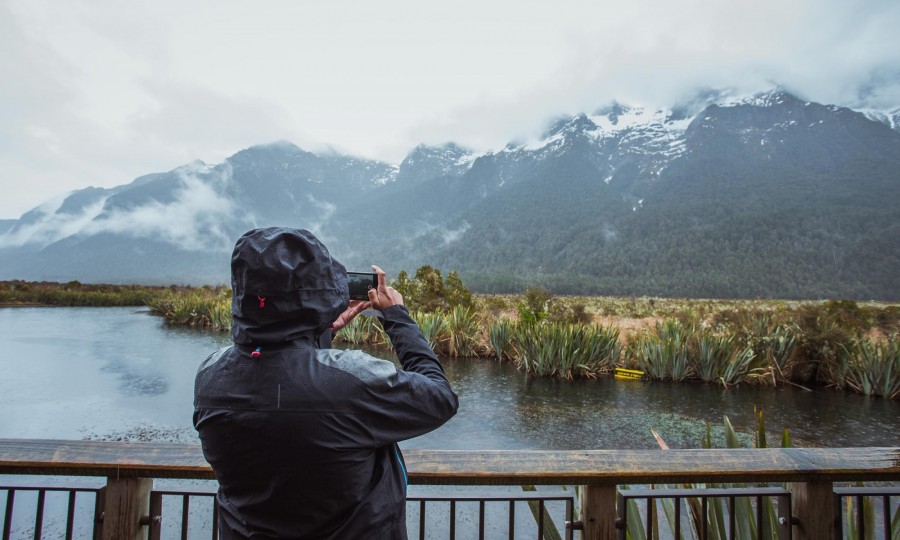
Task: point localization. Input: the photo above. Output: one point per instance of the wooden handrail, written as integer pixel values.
(484, 467)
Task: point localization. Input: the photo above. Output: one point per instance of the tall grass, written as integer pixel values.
(665, 354)
(873, 368)
(460, 333)
(564, 350)
(431, 324)
(721, 359)
(200, 308)
(362, 331)
(500, 339)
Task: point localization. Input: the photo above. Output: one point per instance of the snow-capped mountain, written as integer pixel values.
(766, 195)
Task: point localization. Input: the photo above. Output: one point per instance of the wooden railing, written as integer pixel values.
(810, 474)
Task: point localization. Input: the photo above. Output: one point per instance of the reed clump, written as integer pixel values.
(204, 307)
(563, 350)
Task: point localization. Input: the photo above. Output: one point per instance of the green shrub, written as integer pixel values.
(429, 291)
(873, 368)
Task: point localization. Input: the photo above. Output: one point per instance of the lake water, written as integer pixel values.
(120, 373)
(74, 373)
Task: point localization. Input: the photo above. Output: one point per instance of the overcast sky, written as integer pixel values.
(98, 92)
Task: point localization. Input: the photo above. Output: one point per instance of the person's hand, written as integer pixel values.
(355, 308)
(382, 296)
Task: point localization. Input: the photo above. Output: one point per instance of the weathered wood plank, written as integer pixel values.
(598, 512)
(125, 502)
(486, 467)
(102, 458)
(813, 508)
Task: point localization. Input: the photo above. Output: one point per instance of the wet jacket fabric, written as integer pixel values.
(302, 439)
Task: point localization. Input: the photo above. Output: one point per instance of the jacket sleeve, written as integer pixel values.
(416, 399)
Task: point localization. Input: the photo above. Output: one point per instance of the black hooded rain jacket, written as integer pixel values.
(302, 439)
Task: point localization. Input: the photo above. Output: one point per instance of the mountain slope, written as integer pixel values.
(765, 196)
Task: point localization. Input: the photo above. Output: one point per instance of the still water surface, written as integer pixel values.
(73, 373)
(120, 373)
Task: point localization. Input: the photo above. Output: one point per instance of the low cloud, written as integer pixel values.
(193, 221)
(50, 226)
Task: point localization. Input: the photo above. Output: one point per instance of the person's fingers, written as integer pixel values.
(382, 278)
(358, 305)
(355, 308)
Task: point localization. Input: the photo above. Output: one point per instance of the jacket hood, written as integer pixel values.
(285, 285)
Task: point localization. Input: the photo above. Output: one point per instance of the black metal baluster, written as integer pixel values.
(70, 516)
(185, 508)
(860, 517)
(677, 518)
(480, 520)
(731, 520)
(7, 518)
(39, 515)
(541, 519)
(704, 502)
(759, 516)
(512, 520)
(452, 520)
(422, 520)
(215, 527)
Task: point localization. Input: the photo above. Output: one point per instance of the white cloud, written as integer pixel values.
(191, 221)
(99, 92)
(51, 226)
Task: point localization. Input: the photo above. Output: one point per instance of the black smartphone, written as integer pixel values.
(360, 283)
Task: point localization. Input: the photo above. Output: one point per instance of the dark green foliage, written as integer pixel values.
(534, 307)
(429, 291)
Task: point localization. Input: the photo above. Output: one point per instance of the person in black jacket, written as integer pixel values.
(302, 437)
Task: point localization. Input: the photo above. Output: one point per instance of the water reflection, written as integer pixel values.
(120, 373)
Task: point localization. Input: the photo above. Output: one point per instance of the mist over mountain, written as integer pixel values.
(764, 196)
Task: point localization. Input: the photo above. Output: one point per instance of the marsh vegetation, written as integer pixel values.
(839, 344)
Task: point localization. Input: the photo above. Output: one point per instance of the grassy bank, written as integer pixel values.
(840, 344)
(73, 293)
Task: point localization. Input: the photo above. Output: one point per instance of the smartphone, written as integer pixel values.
(360, 283)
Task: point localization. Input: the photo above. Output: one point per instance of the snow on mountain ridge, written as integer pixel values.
(889, 118)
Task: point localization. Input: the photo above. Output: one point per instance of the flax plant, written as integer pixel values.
(431, 324)
(565, 350)
(666, 354)
(362, 330)
(716, 518)
(460, 331)
(714, 353)
(500, 339)
(738, 368)
(774, 346)
(874, 368)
